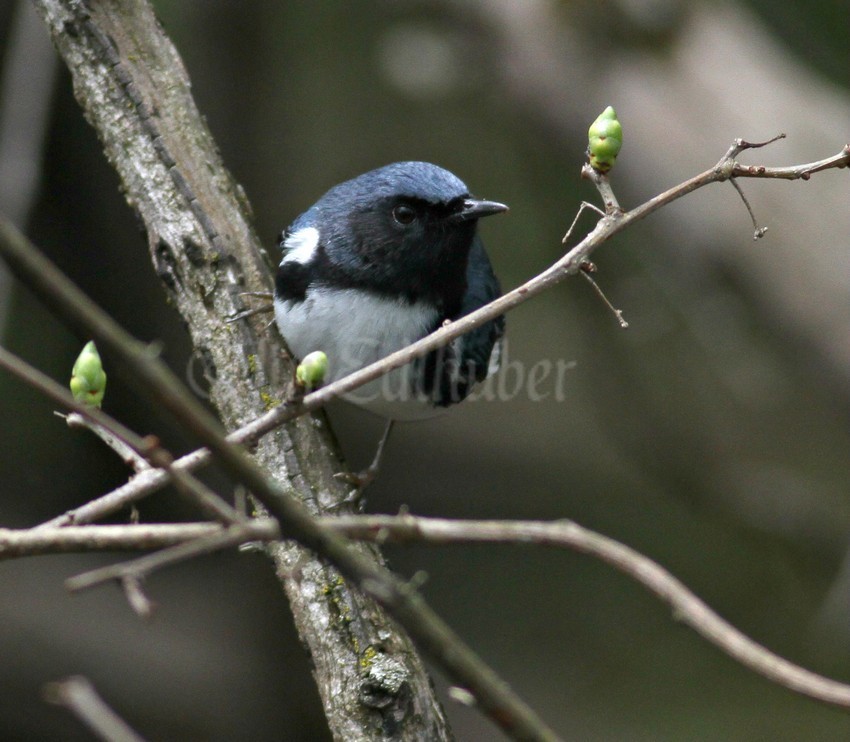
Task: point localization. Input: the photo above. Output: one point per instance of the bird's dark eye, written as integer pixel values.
(404, 214)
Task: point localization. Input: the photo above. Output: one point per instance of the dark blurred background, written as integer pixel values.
(712, 434)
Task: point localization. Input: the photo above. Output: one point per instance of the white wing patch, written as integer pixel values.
(300, 246)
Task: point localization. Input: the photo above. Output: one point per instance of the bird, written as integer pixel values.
(379, 262)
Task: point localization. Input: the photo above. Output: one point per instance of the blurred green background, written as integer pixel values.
(712, 435)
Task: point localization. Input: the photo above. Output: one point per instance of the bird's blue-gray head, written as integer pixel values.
(403, 229)
(416, 180)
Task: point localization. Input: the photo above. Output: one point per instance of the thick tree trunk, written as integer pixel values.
(134, 90)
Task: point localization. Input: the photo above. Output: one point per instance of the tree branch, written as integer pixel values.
(152, 480)
(123, 440)
(79, 696)
(687, 607)
(407, 529)
(131, 537)
(138, 569)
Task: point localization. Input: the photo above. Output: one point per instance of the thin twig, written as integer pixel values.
(758, 232)
(794, 172)
(138, 600)
(138, 569)
(582, 206)
(739, 145)
(262, 309)
(618, 313)
(137, 462)
(140, 486)
(265, 309)
(153, 480)
(79, 696)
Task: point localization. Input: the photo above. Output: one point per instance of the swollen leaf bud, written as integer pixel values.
(310, 373)
(605, 137)
(88, 379)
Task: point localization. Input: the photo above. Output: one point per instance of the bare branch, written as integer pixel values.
(79, 696)
(404, 529)
(586, 270)
(138, 569)
(792, 172)
(121, 439)
(126, 452)
(687, 607)
(152, 480)
(143, 484)
(132, 537)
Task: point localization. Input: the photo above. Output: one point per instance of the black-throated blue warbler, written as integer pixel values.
(379, 262)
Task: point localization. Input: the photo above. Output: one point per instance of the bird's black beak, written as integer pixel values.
(472, 208)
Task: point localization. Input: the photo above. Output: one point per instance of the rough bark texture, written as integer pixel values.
(134, 90)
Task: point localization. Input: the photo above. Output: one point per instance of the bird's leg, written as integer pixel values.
(365, 477)
(256, 310)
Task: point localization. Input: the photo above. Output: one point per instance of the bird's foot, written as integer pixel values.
(362, 479)
(256, 310)
(358, 479)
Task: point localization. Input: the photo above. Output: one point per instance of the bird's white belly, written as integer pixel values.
(355, 328)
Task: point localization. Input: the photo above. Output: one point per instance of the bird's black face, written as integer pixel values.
(416, 248)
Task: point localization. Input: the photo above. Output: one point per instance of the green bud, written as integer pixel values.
(88, 379)
(605, 137)
(311, 371)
